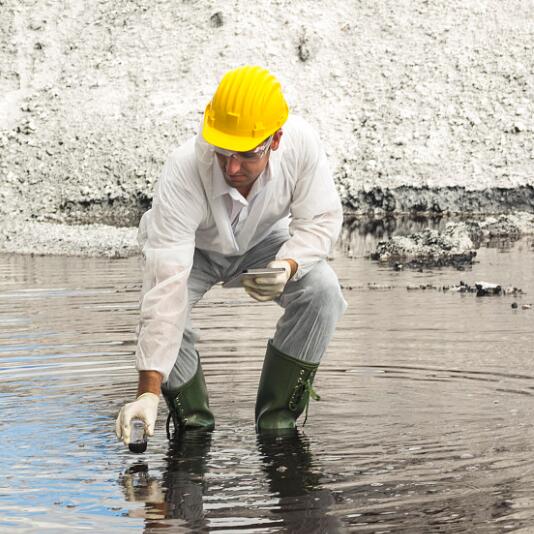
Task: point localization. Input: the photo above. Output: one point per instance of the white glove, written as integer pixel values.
(145, 407)
(264, 288)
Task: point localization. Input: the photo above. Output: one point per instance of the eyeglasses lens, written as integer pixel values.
(250, 155)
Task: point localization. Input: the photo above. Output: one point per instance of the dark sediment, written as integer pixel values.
(437, 201)
(453, 244)
(127, 208)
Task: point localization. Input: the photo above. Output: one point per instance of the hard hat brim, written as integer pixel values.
(233, 142)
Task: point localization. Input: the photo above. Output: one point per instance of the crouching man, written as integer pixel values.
(252, 189)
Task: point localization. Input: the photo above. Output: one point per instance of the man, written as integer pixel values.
(252, 189)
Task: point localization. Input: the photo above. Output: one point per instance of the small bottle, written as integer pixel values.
(138, 441)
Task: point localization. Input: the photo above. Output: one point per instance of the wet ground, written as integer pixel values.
(425, 422)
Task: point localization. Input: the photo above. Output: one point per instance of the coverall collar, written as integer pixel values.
(220, 187)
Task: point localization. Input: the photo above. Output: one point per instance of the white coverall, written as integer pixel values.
(191, 218)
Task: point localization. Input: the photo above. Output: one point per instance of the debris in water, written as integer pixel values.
(454, 247)
(485, 289)
(375, 286)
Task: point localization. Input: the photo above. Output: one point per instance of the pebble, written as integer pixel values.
(217, 20)
(372, 285)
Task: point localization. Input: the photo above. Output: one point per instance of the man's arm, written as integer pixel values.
(316, 213)
(167, 234)
(149, 382)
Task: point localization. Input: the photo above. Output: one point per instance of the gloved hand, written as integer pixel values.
(264, 288)
(145, 407)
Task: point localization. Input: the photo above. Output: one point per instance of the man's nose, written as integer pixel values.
(232, 165)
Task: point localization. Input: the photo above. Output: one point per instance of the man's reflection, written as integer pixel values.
(292, 476)
(179, 494)
(287, 462)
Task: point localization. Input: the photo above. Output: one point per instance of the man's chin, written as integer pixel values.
(237, 180)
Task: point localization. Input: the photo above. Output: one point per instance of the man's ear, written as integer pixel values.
(277, 136)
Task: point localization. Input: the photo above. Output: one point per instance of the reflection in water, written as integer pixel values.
(183, 479)
(140, 486)
(376, 227)
(178, 495)
(295, 480)
(387, 225)
(360, 235)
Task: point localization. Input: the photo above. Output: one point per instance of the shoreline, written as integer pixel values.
(126, 210)
(49, 237)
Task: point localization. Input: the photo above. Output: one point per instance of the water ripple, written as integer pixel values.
(424, 423)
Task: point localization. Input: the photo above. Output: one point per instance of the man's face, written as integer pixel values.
(241, 173)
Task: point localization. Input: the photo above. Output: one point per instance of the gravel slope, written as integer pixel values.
(421, 105)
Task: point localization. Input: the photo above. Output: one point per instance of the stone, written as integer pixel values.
(217, 19)
(485, 289)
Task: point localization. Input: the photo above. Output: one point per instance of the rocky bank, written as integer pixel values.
(422, 106)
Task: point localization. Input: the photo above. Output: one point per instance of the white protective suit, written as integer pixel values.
(297, 191)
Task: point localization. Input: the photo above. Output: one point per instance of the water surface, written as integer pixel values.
(425, 422)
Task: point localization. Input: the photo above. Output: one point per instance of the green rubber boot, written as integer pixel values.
(284, 391)
(188, 404)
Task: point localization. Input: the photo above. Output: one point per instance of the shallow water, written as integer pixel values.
(425, 422)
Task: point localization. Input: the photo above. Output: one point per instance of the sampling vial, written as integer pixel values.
(138, 441)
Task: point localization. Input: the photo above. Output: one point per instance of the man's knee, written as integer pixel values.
(320, 292)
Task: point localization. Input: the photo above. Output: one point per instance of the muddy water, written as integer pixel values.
(425, 422)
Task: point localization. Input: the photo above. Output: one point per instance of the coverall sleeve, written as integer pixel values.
(316, 213)
(167, 237)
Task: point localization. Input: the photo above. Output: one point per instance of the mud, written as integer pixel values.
(454, 245)
(430, 248)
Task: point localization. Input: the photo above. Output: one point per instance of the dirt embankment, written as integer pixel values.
(423, 106)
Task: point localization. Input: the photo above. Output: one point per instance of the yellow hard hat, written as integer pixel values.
(247, 107)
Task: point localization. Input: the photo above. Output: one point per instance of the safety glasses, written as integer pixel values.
(250, 155)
